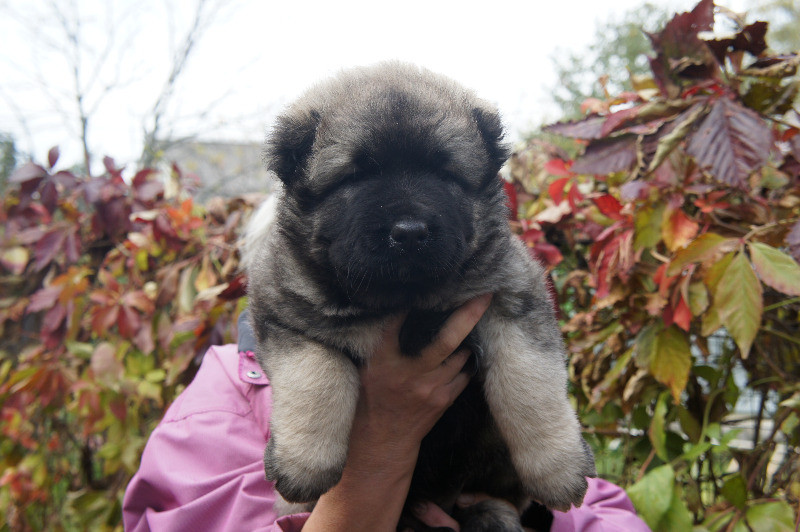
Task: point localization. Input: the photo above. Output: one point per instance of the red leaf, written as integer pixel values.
(128, 322)
(558, 167)
(609, 206)
(663, 280)
(710, 203)
(52, 156)
(547, 253)
(103, 319)
(556, 189)
(678, 229)
(574, 196)
(682, 315)
(532, 235)
(236, 289)
(119, 408)
(142, 176)
(511, 195)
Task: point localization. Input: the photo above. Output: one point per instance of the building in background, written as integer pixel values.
(223, 168)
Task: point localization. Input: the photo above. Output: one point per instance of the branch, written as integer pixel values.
(199, 24)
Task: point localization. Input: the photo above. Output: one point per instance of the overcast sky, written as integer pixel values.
(258, 55)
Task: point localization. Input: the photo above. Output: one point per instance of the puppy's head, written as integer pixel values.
(388, 173)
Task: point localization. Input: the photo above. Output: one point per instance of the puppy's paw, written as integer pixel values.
(299, 478)
(559, 480)
(491, 515)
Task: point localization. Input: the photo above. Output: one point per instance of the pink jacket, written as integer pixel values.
(202, 468)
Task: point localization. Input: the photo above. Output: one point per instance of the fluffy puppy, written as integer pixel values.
(391, 203)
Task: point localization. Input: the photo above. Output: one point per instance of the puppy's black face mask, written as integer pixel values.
(389, 238)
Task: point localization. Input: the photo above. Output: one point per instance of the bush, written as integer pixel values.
(674, 238)
(111, 291)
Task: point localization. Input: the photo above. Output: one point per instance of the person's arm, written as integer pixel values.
(401, 399)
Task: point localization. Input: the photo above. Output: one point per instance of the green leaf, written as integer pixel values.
(700, 249)
(656, 433)
(155, 376)
(776, 268)
(735, 490)
(771, 517)
(667, 143)
(739, 301)
(652, 495)
(677, 516)
(689, 424)
(698, 298)
(644, 348)
(647, 226)
(672, 361)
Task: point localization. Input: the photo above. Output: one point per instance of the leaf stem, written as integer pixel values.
(756, 230)
(782, 303)
(780, 334)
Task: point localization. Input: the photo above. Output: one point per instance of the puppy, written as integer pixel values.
(391, 203)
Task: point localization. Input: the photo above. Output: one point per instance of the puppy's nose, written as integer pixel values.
(408, 234)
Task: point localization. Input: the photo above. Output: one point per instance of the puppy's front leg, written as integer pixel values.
(314, 394)
(526, 388)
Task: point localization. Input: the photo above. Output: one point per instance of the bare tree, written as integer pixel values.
(205, 14)
(94, 50)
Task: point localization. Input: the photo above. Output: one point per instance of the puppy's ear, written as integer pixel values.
(491, 129)
(289, 145)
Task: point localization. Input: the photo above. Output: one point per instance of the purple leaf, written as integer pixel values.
(27, 172)
(793, 241)
(680, 53)
(43, 298)
(795, 146)
(731, 142)
(607, 156)
(750, 39)
(48, 248)
(52, 156)
(587, 128)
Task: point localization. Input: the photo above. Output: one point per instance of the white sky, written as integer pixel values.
(258, 55)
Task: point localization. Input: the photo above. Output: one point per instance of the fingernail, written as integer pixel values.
(419, 508)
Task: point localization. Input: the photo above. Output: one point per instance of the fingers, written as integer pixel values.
(456, 328)
(453, 364)
(434, 517)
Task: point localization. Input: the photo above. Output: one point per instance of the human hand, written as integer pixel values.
(400, 400)
(402, 397)
(435, 517)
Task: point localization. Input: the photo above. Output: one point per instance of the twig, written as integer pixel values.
(645, 464)
(756, 230)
